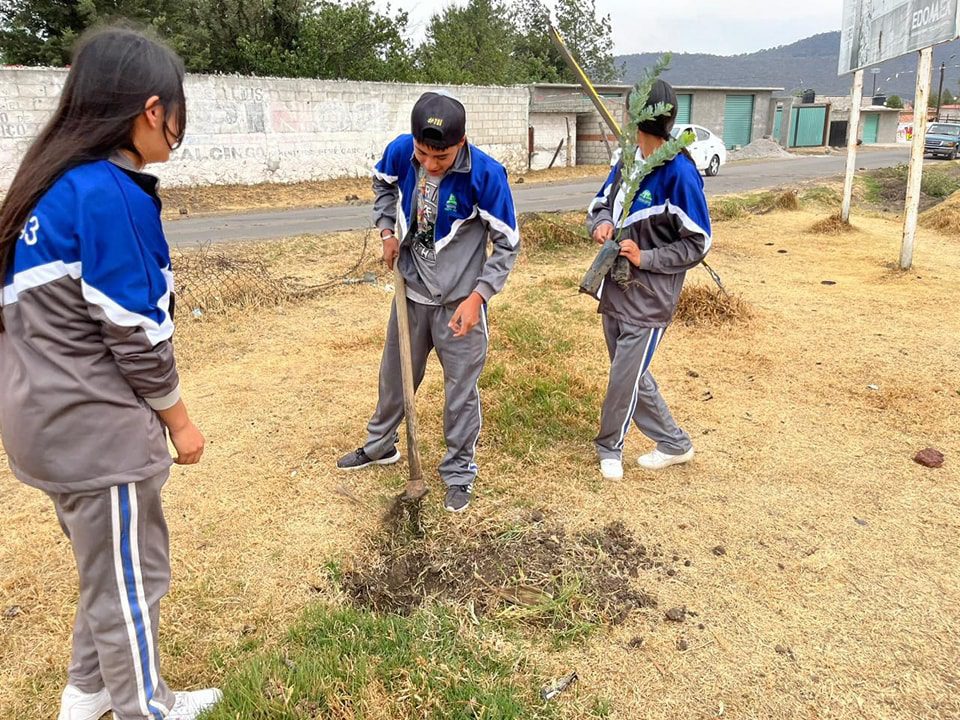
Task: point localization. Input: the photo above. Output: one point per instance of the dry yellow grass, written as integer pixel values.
(944, 217)
(704, 305)
(839, 548)
(831, 225)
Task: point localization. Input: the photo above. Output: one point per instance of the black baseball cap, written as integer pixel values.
(438, 119)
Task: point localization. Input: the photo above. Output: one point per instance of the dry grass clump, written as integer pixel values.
(944, 217)
(734, 207)
(702, 306)
(832, 225)
(550, 232)
(787, 200)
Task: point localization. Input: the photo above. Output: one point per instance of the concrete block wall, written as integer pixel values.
(591, 149)
(887, 131)
(27, 99)
(548, 130)
(591, 128)
(707, 109)
(248, 130)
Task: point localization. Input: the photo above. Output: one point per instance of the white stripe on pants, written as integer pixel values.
(632, 393)
(119, 539)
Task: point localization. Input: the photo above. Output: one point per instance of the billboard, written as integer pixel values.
(878, 30)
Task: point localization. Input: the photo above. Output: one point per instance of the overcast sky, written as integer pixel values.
(725, 27)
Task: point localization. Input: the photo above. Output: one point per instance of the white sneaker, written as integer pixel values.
(657, 460)
(78, 705)
(611, 469)
(189, 705)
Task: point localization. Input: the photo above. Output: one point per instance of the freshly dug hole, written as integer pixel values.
(534, 572)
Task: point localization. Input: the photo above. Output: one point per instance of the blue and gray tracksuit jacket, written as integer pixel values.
(473, 201)
(668, 220)
(86, 357)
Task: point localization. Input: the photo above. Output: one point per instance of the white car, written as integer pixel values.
(707, 151)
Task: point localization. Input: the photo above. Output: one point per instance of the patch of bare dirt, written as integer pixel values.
(534, 565)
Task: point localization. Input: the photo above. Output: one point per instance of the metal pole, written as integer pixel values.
(940, 91)
(915, 174)
(853, 132)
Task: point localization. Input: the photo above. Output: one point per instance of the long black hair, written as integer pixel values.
(115, 71)
(662, 125)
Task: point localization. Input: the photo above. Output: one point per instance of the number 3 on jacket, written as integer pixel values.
(29, 233)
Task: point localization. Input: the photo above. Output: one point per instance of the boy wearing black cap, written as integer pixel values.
(438, 199)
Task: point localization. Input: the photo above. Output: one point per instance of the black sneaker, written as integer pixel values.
(458, 498)
(359, 459)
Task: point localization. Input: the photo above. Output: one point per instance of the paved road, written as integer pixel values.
(737, 177)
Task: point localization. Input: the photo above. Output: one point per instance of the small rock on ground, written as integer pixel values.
(676, 614)
(929, 457)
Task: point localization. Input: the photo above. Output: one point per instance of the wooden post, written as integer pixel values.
(556, 154)
(915, 174)
(853, 133)
(606, 142)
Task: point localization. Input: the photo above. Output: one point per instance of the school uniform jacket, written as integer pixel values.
(668, 220)
(473, 201)
(86, 357)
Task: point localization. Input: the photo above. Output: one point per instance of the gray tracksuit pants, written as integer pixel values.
(462, 360)
(119, 540)
(632, 393)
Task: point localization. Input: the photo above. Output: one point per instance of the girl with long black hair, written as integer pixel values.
(666, 231)
(88, 380)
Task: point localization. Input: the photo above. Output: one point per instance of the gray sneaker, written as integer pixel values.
(359, 459)
(458, 498)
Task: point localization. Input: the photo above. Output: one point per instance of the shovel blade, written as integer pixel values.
(414, 491)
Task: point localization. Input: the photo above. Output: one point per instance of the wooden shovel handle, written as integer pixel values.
(416, 488)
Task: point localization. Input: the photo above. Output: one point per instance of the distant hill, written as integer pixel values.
(807, 63)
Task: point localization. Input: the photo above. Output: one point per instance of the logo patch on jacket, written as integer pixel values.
(451, 205)
(645, 198)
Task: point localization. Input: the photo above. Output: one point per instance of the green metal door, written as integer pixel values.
(738, 120)
(684, 103)
(871, 128)
(777, 124)
(807, 126)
